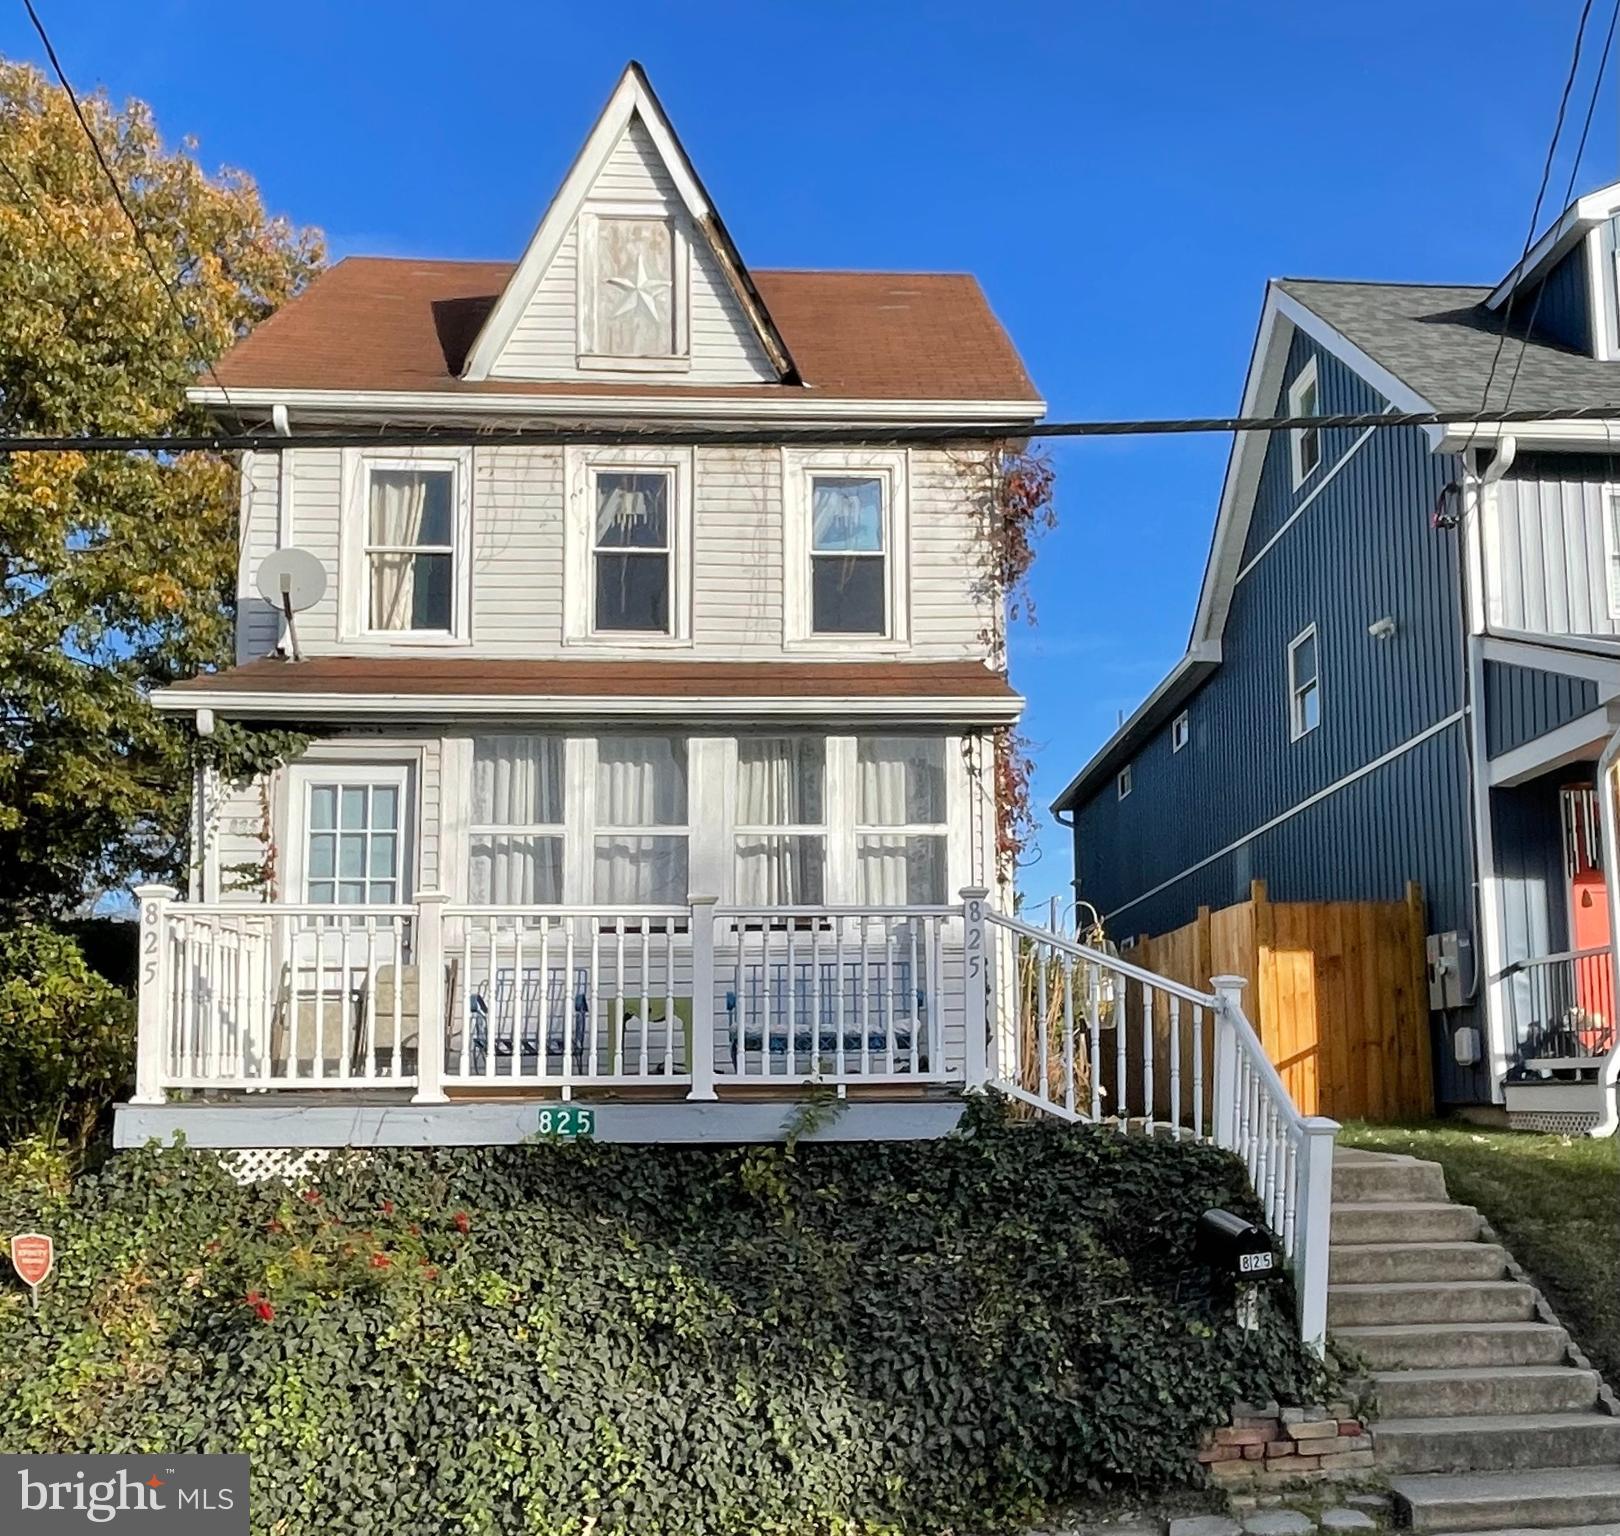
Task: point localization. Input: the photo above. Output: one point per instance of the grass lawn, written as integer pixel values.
(1554, 1202)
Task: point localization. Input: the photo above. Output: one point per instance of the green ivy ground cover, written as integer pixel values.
(583, 1339)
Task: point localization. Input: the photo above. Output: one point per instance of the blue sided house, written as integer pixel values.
(1405, 660)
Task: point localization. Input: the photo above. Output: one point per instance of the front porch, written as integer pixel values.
(433, 1023)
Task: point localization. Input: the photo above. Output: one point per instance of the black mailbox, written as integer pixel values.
(1235, 1247)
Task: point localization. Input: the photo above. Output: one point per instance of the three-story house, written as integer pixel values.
(638, 763)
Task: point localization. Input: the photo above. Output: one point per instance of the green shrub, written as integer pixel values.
(67, 1037)
(580, 1339)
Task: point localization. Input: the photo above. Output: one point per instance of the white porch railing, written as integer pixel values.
(1084, 1035)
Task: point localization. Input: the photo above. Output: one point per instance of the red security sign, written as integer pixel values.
(32, 1255)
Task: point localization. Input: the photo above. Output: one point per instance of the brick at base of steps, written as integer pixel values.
(1561, 1499)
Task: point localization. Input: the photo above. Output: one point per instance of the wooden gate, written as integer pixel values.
(1338, 992)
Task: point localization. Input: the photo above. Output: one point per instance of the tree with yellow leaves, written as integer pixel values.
(116, 569)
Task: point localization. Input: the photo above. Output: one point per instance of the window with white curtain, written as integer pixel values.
(848, 559)
(409, 548)
(640, 853)
(900, 831)
(780, 820)
(515, 851)
(632, 542)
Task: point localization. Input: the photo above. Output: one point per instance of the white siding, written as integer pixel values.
(738, 557)
(724, 348)
(1548, 559)
(257, 625)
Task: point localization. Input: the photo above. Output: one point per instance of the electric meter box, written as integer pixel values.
(1451, 969)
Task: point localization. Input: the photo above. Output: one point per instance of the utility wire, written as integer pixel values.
(118, 191)
(1569, 193)
(671, 435)
(1535, 212)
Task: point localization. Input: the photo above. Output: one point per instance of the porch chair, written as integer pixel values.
(510, 1018)
(888, 1014)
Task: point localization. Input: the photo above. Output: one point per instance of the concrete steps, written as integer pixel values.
(1427, 1346)
(1451, 1390)
(1565, 1499)
(1484, 1423)
(1375, 1263)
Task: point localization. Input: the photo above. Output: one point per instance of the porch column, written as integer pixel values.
(431, 1022)
(976, 987)
(151, 1017)
(1224, 1132)
(702, 997)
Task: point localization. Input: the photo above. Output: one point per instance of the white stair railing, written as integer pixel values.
(1087, 1036)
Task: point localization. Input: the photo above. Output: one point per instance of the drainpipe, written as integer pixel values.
(1488, 957)
(1609, 1073)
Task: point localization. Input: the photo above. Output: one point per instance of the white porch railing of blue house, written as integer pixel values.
(435, 998)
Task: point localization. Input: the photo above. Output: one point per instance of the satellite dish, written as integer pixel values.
(291, 580)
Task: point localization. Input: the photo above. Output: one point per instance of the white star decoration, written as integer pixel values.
(641, 291)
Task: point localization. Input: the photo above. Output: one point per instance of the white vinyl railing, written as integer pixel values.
(1084, 1035)
(836, 994)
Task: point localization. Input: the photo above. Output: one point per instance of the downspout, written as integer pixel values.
(1609, 1073)
(1488, 958)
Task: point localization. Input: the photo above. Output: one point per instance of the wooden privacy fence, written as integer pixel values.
(1338, 992)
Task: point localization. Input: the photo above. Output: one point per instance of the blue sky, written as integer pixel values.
(1122, 177)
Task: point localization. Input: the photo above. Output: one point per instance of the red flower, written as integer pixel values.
(265, 1311)
(430, 1272)
(313, 1196)
(388, 1207)
(380, 1261)
(212, 1247)
(463, 1221)
(414, 1230)
(253, 1299)
(274, 1226)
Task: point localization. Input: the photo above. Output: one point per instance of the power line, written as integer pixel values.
(1541, 193)
(118, 191)
(668, 435)
(1569, 191)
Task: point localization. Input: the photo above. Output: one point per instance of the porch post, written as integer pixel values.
(1229, 989)
(151, 1016)
(430, 998)
(1313, 1218)
(976, 987)
(702, 1063)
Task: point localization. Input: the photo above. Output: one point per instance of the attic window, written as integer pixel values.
(632, 292)
(1305, 443)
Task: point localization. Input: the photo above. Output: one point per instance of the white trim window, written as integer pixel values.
(406, 547)
(1122, 782)
(640, 849)
(1304, 684)
(1305, 443)
(632, 289)
(350, 843)
(1611, 542)
(1180, 731)
(516, 834)
(846, 580)
(780, 820)
(901, 821)
(629, 547)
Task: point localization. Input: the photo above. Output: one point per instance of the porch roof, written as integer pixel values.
(368, 687)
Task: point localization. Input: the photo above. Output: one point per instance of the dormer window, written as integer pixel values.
(632, 291)
(1305, 443)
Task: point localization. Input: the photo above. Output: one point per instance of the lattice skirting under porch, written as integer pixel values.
(1553, 1122)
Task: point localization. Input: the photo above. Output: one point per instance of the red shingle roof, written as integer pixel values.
(371, 323)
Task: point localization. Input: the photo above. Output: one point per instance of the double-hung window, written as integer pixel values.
(1305, 443)
(642, 826)
(845, 580)
(848, 555)
(515, 854)
(780, 820)
(900, 831)
(632, 550)
(410, 548)
(1304, 684)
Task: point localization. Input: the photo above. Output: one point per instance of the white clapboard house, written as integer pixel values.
(650, 785)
